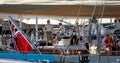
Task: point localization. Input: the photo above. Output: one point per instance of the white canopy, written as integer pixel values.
(59, 2)
(69, 8)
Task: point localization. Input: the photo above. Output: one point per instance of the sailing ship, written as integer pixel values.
(85, 52)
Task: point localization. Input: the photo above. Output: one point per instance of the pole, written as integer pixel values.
(20, 21)
(36, 27)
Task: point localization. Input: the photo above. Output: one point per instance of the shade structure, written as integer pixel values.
(64, 8)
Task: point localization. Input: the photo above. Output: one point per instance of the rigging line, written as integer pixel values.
(94, 9)
(78, 14)
(102, 12)
(90, 24)
(102, 8)
(79, 10)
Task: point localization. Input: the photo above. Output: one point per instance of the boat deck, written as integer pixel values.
(90, 59)
(63, 49)
(72, 50)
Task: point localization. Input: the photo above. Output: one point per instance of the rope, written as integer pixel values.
(100, 15)
(102, 12)
(92, 15)
(90, 24)
(80, 7)
(94, 9)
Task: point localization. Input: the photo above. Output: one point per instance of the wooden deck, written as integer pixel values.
(72, 50)
(62, 49)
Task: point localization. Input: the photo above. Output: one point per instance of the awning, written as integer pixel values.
(61, 8)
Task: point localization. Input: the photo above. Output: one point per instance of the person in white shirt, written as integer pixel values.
(49, 28)
(75, 35)
(117, 23)
(61, 30)
(77, 30)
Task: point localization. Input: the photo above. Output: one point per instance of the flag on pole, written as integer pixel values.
(21, 43)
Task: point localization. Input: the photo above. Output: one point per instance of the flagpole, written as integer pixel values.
(36, 27)
(25, 36)
(20, 21)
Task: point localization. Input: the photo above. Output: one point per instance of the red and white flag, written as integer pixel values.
(21, 43)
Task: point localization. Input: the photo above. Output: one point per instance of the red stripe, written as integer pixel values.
(22, 44)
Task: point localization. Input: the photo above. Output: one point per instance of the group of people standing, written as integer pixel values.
(49, 35)
(60, 33)
(108, 42)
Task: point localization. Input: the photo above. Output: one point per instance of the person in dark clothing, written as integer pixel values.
(74, 39)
